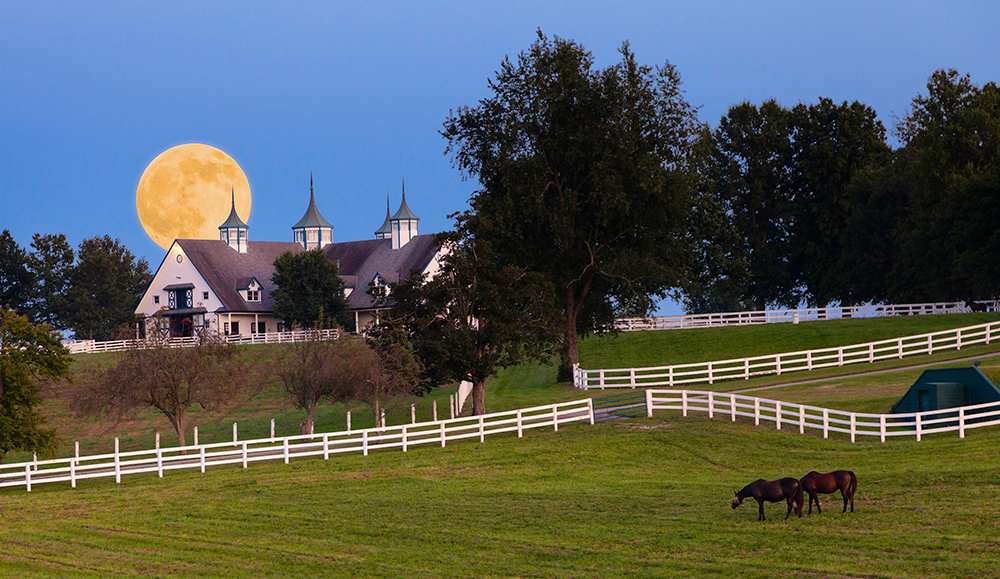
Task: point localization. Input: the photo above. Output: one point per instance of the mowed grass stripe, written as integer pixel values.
(647, 497)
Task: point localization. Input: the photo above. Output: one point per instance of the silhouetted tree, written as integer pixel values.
(309, 291)
(106, 285)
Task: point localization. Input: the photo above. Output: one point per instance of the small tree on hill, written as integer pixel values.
(316, 370)
(172, 380)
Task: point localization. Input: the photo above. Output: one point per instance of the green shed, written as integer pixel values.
(947, 388)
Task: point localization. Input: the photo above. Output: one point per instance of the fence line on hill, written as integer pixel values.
(795, 316)
(92, 346)
(802, 416)
(201, 456)
(777, 364)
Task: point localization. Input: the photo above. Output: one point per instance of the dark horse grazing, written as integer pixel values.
(772, 491)
(842, 480)
(975, 306)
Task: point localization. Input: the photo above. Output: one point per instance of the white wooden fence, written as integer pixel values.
(91, 346)
(801, 416)
(793, 316)
(201, 456)
(777, 364)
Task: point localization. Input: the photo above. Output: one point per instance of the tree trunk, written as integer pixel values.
(179, 429)
(572, 352)
(306, 426)
(478, 396)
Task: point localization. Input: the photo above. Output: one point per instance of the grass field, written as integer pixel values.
(639, 498)
(644, 497)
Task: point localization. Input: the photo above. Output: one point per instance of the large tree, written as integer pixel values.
(582, 178)
(152, 374)
(15, 278)
(477, 315)
(106, 285)
(28, 354)
(309, 291)
(51, 263)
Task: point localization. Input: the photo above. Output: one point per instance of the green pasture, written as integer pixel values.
(636, 498)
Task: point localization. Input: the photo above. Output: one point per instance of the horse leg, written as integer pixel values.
(791, 505)
(815, 497)
(760, 504)
(843, 493)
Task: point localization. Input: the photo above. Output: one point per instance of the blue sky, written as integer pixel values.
(356, 92)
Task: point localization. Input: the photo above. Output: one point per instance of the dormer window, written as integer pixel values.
(253, 295)
(249, 289)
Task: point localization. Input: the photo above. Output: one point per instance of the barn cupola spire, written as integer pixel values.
(385, 232)
(312, 230)
(403, 224)
(234, 231)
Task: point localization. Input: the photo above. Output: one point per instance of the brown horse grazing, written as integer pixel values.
(842, 480)
(772, 491)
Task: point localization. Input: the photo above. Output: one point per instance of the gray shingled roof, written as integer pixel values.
(222, 266)
(366, 258)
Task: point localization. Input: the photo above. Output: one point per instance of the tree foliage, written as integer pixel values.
(477, 315)
(15, 278)
(106, 285)
(28, 354)
(151, 374)
(51, 263)
(309, 291)
(317, 370)
(582, 178)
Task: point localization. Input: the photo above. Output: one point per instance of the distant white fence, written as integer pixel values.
(801, 416)
(777, 364)
(91, 346)
(794, 316)
(201, 456)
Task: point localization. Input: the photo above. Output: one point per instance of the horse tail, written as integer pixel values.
(798, 498)
(854, 483)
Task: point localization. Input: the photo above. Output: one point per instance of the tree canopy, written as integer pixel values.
(309, 291)
(582, 178)
(106, 285)
(28, 354)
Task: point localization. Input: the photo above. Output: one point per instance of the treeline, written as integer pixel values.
(810, 204)
(92, 291)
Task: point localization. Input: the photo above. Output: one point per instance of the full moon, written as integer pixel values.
(185, 193)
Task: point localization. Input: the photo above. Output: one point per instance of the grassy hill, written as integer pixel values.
(638, 498)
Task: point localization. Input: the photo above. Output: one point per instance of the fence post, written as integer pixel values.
(451, 405)
(777, 415)
(732, 406)
(590, 409)
(159, 457)
(601, 379)
(383, 418)
(435, 405)
(988, 328)
(670, 376)
(404, 438)
(649, 403)
(555, 417)
(684, 402)
(930, 345)
(272, 425)
(244, 454)
(871, 352)
(899, 345)
(777, 363)
(826, 423)
(413, 413)
(235, 440)
(349, 421)
(77, 445)
(809, 360)
(72, 474)
(961, 422)
(118, 463)
(840, 356)
(711, 380)
(711, 409)
(364, 443)
(520, 430)
(881, 427)
(631, 375)
(201, 457)
(802, 419)
(196, 436)
(918, 427)
(284, 449)
(756, 411)
(326, 446)
(853, 426)
(443, 438)
(482, 432)
(27, 477)
(958, 339)
(746, 368)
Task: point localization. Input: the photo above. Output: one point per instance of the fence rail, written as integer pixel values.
(91, 346)
(777, 364)
(201, 456)
(801, 417)
(796, 316)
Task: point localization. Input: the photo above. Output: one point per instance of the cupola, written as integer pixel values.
(403, 224)
(312, 230)
(385, 232)
(234, 230)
